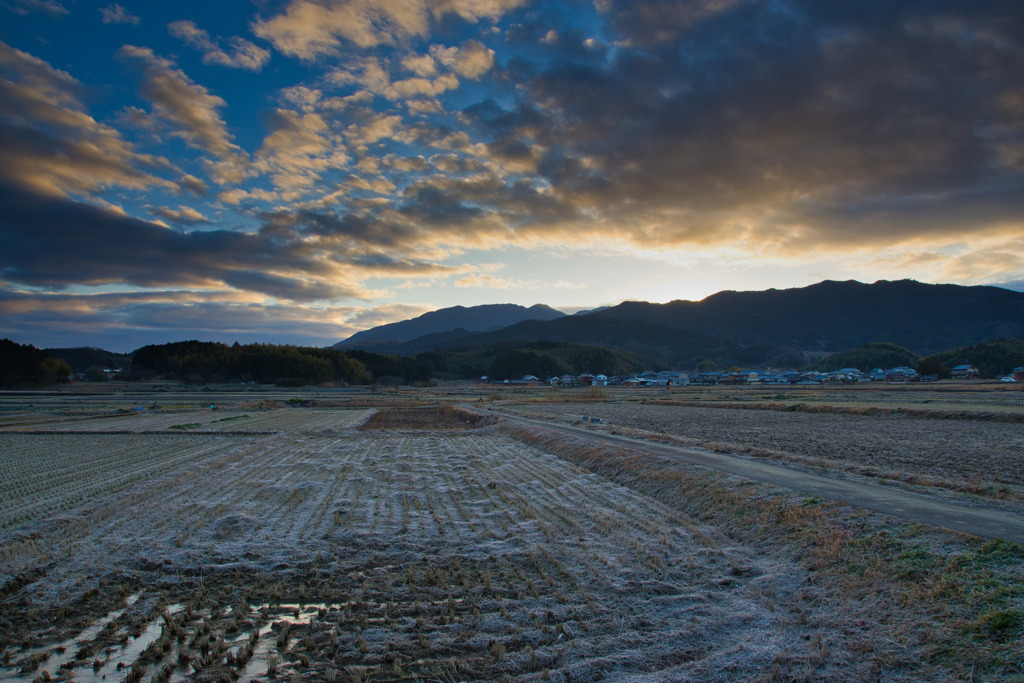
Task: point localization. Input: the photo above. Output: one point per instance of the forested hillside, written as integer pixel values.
(25, 364)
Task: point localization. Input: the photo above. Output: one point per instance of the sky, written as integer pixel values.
(294, 171)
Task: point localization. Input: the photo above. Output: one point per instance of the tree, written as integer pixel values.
(932, 365)
(706, 365)
(198, 362)
(52, 370)
(94, 373)
(25, 364)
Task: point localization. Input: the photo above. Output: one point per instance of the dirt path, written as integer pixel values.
(979, 521)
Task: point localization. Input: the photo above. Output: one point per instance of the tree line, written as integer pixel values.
(993, 358)
(196, 361)
(22, 364)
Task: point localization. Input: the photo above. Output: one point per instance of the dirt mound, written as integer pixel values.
(427, 418)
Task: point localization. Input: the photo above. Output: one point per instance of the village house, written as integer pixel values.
(901, 374)
(877, 375)
(965, 371)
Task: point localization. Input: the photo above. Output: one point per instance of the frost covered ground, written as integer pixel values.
(968, 453)
(463, 553)
(294, 543)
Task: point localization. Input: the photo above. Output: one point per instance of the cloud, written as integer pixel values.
(192, 184)
(53, 243)
(115, 14)
(372, 127)
(773, 128)
(124, 322)
(183, 214)
(236, 196)
(373, 75)
(48, 141)
(190, 109)
(486, 281)
(472, 60)
(986, 265)
(790, 130)
(365, 318)
(243, 55)
(655, 22)
(780, 133)
(308, 29)
(296, 255)
(421, 65)
(299, 149)
(51, 7)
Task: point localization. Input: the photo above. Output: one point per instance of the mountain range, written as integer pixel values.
(472, 319)
(784, 327)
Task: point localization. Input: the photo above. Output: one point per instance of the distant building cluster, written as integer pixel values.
(753, 376)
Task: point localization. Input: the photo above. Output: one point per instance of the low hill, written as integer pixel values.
(472, 319)
(513, 361)
(868, 357)
(660, 343)
(993, 358)
(84, 357)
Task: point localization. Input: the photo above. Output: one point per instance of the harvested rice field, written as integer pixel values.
(425, 543)
(979, 453)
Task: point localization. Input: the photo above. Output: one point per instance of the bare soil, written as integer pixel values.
(426, 418)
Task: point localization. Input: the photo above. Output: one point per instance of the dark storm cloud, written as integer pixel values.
(292, 288)
(132, 320)
(47, 242)
(430, 205)
(371, 231)
(714, 115)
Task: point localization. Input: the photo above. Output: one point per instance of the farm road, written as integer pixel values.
(887, 500)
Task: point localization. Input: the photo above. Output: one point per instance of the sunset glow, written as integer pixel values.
(294, 171)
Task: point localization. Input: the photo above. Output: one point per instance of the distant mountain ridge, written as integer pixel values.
(837, 316)
(772, 326)
(470, 319)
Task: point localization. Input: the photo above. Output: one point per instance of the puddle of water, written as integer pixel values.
(114, 663)
(119, 662)
(59, 663)
(266, 654)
